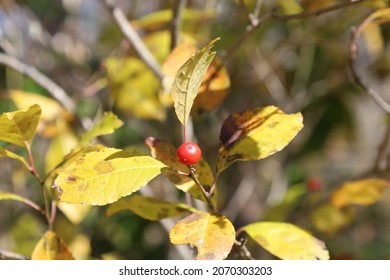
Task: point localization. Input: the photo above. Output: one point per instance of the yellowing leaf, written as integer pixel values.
(361, 192)
(166, 153)
(19, 127)
(213, 235)
(149, 208)
(51, 247)
(329, 219)
(106, 125)
(290, 6)
(6, 153)
(12, 196)
(74, 212)
(188, 80)
(213, 89)
(134, 88)
(104, 176)
(256, 134)
(287, 241)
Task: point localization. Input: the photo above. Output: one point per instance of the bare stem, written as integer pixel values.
(242, 250)
(177, 21)
(381, 162)
(34, 172)
(134, 39)
(206, 195)
(54, 89)
(11, 255)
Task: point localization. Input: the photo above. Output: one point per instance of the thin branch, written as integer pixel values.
(134, 39)
(54, 89)
(242, 250)
(177, 21)
(316, 12)
(353, 50)
(11, 255)
(381, 162)
(206, 195)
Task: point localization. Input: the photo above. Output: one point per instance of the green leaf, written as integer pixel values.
(361, 192)
(6, 153)
(166, 153)
(104, 176)
(107, 125)
(212, 234)
(256, 134)
(19, 127)
(188, 80)
(287, 241)
(51, 247)
(149, 208)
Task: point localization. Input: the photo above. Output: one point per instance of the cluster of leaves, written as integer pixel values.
(83, 173)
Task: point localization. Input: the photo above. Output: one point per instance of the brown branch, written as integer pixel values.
(241, 249)
(206, 195)
(316, 12)
(134, 39)
(177, 21)
(54, 89)
(381, 162)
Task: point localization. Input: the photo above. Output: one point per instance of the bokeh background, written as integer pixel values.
(298, 65)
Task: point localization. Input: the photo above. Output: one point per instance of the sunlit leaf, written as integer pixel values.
(19, 127)
(330, 220)
(256, 134)
(74, 212)
(107, 125)
(9, 154)
(134, 88)
(361, 192)
(287, 241)
(51, 247)
(52, 115)
(149, 208)
(213, 235)
(188, 80)
(166, 153)
(104, 176)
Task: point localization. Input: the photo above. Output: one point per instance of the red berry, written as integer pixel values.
(189, 153)
(314, 184)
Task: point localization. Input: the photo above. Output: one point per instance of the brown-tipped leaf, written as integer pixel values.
(256, 134)
(51, 247)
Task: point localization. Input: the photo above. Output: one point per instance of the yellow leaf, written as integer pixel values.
(149, 208)
(19, 127)
(104, 176)
(329, 219)
(361, 192)
(290, 6)
(166, 153)
(188, 80)
(256, 134)
(12, 196)
(6, 153)
(107, 125)
(74, 212)
(287, 241)
(51, 247)
(52, 111)
(134, 88)
(212, 234)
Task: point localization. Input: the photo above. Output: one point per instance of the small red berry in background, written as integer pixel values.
(189, 153)
(314, 184)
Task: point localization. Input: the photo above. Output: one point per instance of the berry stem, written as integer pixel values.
(203, 190)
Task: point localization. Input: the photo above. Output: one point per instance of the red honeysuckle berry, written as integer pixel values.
(189, 153)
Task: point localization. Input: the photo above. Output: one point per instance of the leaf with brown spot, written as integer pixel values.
(51, 247)
(361, 192)
(166, 153)
(256, 134)
(287, 241)
(18, 127)
(149, 208)
(104, 176)
(213, 235)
